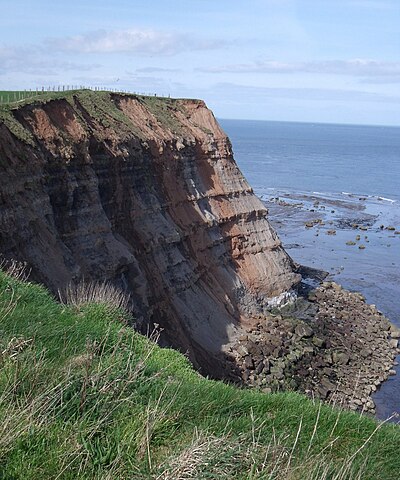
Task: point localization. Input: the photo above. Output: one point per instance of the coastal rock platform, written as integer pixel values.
(329, 344)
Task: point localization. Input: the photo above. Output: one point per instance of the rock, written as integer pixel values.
(392, 372)
(259, 368)
(253, 348)
(303, 330)
(361, 247)
(248, 362)
(340, 357)
(394, 331)
(318, 341)
(393, 342)
(327, 384)
(242, 350)
(350, 242)
(277, 372)
(308, 350)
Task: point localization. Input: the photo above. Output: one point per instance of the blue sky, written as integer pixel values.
(295, 60)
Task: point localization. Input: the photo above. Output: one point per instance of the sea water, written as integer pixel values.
(346, 175)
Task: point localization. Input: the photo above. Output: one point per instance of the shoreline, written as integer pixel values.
(367, 275)
(310, 346)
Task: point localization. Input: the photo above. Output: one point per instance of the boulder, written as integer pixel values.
(304, 331)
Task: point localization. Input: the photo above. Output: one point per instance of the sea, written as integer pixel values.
(348, 178)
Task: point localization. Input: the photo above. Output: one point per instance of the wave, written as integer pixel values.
(386, 199)
(262, 191)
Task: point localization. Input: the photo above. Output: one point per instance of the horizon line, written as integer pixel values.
(311, 122)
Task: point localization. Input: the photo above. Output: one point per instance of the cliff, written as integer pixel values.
(145, 193)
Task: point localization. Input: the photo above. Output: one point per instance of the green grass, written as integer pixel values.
(11, 101)
(164, 110)
(99, 105)
(15, 97)
(84, 396)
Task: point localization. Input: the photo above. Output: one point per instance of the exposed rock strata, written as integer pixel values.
(145, 193)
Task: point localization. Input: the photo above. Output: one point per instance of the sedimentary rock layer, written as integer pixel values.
(145, 193)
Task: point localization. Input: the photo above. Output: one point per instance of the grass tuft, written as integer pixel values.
(102, 293)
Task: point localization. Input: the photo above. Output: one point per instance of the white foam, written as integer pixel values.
(386, 199)
(282, 299)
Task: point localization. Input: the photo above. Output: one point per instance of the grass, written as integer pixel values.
(99, 105)
(164, 110)
(86, 293)
(83, 396)
(10, 96)
(11, 101)
(13, 98)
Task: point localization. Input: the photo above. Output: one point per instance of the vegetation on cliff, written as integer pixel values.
(99, 105)
(82, 395)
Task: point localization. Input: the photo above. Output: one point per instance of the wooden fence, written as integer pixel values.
(7, 97)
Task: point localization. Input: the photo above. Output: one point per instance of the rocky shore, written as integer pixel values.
(329, 344)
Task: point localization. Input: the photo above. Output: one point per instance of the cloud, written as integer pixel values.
(256, 94)
(157, 70)
(134, 41)
(355, 67)
(32, 60)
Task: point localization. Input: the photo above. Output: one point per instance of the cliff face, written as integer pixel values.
(145, 193)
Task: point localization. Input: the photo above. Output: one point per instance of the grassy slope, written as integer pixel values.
(83, 396)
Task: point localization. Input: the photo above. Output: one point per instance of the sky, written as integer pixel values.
(334, 61)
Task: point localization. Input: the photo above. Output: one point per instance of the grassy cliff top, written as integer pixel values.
(82, 395)
(13, 99)
(100, 105)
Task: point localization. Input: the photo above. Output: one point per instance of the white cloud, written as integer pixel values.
(33, 60)
(354, 67)
(255, 94)
(157, 70)
(134, 41)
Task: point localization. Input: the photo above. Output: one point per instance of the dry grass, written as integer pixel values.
(15, 269)
(211, 457)
(87, 293)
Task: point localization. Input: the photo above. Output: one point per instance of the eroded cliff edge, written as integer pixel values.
(145, 193)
